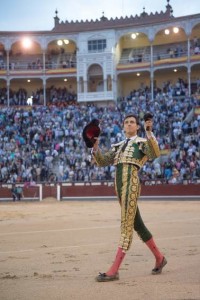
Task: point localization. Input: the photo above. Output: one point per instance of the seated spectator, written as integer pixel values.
(196, 50)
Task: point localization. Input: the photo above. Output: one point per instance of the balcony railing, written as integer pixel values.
(96, 96)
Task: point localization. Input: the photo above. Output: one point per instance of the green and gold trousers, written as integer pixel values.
(127, 187)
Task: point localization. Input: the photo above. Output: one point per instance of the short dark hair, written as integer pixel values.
(131, 115)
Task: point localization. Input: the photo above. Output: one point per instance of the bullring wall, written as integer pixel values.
(97, 189)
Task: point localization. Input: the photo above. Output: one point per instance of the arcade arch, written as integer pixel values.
(21, 89)
(22, 57)
(95, 78)
(132, 81)
(61, 54)
(133, 47)
(2, 57)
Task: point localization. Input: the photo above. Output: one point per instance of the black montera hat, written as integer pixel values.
(148, 116)
(90, 132)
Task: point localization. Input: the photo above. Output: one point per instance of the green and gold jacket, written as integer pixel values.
(137, 152)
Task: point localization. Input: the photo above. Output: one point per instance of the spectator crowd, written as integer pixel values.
(39, 144)
(55, 95)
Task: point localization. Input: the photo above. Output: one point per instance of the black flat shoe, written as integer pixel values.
(103, 277)
(158, 270)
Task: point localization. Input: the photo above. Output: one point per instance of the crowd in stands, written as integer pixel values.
(174, 50)
(59, 58)
(53, 60)
(55, 96)
(39, 143)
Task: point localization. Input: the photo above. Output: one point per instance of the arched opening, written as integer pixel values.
(171, 81)
(170, 43)
(129, 83)
(133, 47)
(26, 91)
(61, 91)
(61, 54)
(2, 57)
(25, 54)
(3, 92)
(95, 78)
(195, 79)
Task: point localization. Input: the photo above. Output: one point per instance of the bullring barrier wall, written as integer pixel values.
(98, 190)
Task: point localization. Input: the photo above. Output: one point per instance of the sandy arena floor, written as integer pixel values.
(53, 251)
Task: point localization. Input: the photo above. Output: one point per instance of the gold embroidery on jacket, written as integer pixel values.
(137, 153)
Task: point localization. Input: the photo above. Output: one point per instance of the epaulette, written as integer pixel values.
(140, 139)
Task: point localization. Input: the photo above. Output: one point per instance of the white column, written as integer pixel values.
(85, 86)
(40, 192)
(58, 192)
(8, 92)
(188, 66)
(44, 61)
(7, 62)
(105, 85)
(44, 91)
(151, 55)
(188, 49)
(189, 82)
(152, 85)
(151, 71)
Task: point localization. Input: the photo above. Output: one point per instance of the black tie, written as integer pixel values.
(125, 144)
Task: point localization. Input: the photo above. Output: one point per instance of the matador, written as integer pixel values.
(128, 157)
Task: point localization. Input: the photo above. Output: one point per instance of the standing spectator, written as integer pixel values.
(14, 192)
(19, 192)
